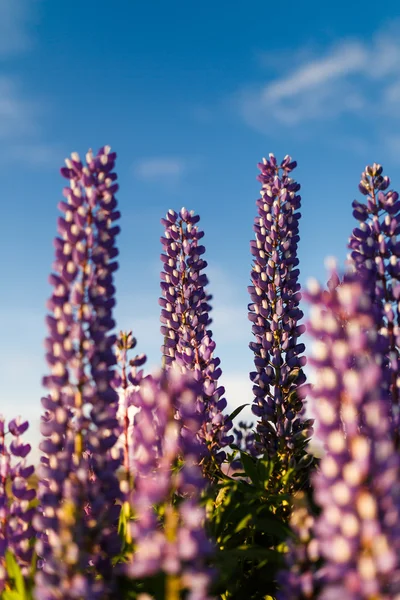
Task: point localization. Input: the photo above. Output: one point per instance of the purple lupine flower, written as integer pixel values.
(166, 455)
(188, 343)
(300, 579)
(16, 512)
(127, 384)
(244, 437)
(357, 485)
(376, 251)
(278, 380)
(78, 486)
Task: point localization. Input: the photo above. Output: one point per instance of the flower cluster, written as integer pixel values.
(166, 454)
(16, 495)
(78, 485)
(139, 495)
(244, 437)
(375, 251)
(300, 579)
(278, 380)
(185, 318)
(357, 485)
(127, 384)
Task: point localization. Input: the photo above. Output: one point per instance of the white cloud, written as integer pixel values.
(343, 60)
(15, 112)
(360, 78)
(230, 323)
(229, 308)
(157, 167)
(202, 114)
(36, 154)
(391, 142)
(238, 391)
(15, 30)
(21, 130)
(20, 113)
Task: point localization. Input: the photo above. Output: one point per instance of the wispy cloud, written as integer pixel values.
(22, 365)
(21, 131)
(15, 26)
(36, 155)
(238, 391)
(342, 61)
(353, 77)
(229, 313)
(16, 114)
(153, 168)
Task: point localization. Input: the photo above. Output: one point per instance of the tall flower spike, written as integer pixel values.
(300, 579)
(188, 343)
(16, 513)
(279, 380)
(128, 384)
(165, 438)
(78, 486)
(376, 251)
(357, 485)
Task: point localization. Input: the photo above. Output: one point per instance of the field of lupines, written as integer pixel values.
(147, 488)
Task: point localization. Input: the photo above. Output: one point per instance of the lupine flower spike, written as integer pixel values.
(300, 579)
(279, 379)
(188, 342)
(78, 486)
(128, 383)
(166, 455)
(16, 495)
(375, 251)
(357, 485)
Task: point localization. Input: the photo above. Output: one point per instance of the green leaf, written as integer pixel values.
(257, 553)
(33, 564)
(14, 572)
(265, 468)
(237, 411)
(234, 447)
(272, 526)
(11, 595)
(243, 524)
(250, 467)
(239, 474)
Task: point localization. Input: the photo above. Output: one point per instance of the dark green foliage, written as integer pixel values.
(250, 535)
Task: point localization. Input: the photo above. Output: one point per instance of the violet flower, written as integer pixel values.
(244, 437)
(166, 456)
(127, 384)
(279, 379)
(357, 485)
(376, 251)
(16, 495)
(300, 579)
(188, 342)
(78, 484)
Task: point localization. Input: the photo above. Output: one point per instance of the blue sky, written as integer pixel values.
(191, 96)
